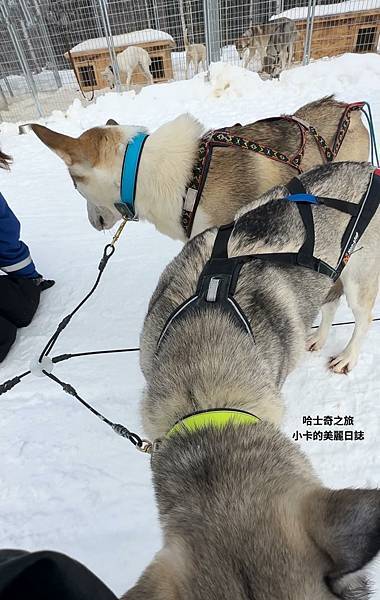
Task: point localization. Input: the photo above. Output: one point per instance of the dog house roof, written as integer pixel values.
(125, 39)
(325, 10)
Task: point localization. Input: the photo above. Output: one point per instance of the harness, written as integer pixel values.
(221, 138)
(218, 280)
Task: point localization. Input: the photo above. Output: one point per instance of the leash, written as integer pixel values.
(45, 363)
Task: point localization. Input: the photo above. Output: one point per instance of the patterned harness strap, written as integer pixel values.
(222, 138)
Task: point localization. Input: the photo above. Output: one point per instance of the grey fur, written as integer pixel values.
(274, 41)
(243, 515)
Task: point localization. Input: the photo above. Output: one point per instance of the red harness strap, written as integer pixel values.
(222, 138)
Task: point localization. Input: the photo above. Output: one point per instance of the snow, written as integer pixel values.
(67, 482)
(324, 10)
(125, 39)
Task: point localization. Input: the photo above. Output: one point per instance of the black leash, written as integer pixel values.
(44, 360)
(346, 323)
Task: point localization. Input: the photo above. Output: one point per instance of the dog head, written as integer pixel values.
(244, 517)
(95, 161)
(243, 42)
(109, 76)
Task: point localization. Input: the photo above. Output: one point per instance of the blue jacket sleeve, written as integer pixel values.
(15, 259)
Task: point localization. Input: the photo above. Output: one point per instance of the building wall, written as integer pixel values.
(336, 34)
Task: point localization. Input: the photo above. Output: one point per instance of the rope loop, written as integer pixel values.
(108, 252)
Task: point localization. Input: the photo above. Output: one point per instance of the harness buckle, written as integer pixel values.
(190, 198)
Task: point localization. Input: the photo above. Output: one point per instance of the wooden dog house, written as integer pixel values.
(91, 57)
(351, 26)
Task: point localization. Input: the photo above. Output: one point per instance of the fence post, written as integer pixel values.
(3, 100)
(212, 30)
(48, 46)
(22, 58)
(110, 44)
(10, 91)
(309, 31)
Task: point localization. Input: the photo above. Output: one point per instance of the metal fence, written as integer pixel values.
(53, 51)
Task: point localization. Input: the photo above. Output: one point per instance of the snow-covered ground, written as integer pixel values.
(66, 481)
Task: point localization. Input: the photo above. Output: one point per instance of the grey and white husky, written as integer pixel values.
(244, 516)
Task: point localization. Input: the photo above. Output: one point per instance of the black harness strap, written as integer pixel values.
(359, 221)
(306, 252)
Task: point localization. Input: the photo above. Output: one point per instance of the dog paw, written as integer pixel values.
(314, 343)
(343, 364)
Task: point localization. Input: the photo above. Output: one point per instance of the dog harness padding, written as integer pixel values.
(129, 174)
(216, 285)
(218, 280)
(217, 418)
(222, 138)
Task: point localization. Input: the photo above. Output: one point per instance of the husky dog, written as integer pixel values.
(128, 61)
(109, 76)
(243, 514)
(235, 178)
(195, 55)
(273, 42)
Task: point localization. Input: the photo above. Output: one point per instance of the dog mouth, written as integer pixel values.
(101, 223)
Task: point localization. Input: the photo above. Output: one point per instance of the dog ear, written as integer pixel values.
(112, 122)
(67, 148)
(345, 524)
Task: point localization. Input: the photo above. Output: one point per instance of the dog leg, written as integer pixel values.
(148, 74)
(316, 341)
(361, 295)
(187, 67)
(129, 77)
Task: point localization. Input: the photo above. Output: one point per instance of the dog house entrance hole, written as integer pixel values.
(87, 76)
(157, 67)
(365, 42)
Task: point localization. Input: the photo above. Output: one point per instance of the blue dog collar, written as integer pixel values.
(129, 173)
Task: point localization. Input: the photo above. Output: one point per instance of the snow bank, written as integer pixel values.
(233, 93)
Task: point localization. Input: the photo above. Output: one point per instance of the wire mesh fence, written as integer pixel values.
(55, 51)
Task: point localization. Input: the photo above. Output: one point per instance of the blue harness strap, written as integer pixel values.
(129, 175)
(303, 198)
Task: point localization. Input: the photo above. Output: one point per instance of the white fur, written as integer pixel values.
(128, 61)
(165, 168)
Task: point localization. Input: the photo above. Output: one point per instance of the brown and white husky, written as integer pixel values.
(235, 177)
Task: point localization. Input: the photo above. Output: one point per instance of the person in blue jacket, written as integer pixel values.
(21, 284)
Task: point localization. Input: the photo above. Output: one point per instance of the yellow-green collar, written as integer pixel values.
(218, 417)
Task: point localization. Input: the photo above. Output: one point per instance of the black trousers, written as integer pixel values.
(19, 299)
(47, 576)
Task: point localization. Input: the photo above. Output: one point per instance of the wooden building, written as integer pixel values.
(351, 26)
(91, 57)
